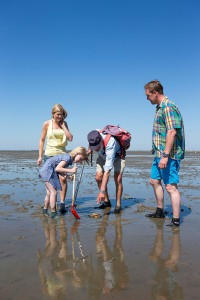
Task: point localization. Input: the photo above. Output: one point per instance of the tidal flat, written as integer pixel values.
(110, 257)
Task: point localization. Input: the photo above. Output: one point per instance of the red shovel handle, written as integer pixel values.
(75, 193)
(73, 211)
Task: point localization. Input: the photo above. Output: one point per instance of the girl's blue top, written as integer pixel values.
(47, 171)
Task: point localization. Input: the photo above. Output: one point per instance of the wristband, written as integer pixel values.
(102, 191)
(165, 155)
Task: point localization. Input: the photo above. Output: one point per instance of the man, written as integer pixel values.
(168, 146)
(108, 157)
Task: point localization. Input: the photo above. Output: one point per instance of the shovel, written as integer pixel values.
(75, 193)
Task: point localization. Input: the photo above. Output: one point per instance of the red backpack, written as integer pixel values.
(122, 135)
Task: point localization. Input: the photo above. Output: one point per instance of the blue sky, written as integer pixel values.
(94, 57)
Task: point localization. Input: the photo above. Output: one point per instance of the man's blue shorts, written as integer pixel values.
(169, 175)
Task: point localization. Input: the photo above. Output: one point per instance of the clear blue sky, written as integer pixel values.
(94, 57)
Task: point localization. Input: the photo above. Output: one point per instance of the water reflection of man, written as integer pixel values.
(59, 265)
(165, 284)
(112, 271)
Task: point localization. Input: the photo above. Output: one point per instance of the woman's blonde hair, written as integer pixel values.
(79, 150)
(59, 108)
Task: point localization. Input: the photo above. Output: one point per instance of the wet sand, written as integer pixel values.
(111, 257)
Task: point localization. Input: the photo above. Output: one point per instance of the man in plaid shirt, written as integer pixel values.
(168, 146)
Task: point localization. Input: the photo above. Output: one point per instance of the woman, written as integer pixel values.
(53, 169)
(57, 134)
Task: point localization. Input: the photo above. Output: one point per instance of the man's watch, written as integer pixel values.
(102, 191)
(165, 155)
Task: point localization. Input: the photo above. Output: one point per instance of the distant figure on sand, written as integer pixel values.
(108, 157)
(50, 171)
(168, 146)
(57, 134)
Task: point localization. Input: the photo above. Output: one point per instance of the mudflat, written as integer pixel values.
(105, 257)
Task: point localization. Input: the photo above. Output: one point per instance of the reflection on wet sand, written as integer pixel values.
(63, 265)
(111, 272)
(58, 266)
(166, 285)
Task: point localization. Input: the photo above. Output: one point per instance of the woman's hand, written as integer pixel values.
(68, 134)
(62, 124)
(39, 161)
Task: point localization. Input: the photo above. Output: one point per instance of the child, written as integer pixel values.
(49, 173)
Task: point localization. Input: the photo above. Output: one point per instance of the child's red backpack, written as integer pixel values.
(122, 135)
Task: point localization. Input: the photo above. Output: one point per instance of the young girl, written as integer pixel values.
(55, 165)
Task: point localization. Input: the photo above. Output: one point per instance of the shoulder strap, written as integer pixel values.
(106, 140)
(105, 143)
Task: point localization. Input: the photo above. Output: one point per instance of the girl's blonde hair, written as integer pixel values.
(79, 150)
(59, 108)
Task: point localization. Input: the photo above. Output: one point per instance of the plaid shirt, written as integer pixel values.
(168, 117)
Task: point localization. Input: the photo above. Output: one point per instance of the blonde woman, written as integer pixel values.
(56, 134)
(52, 169)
